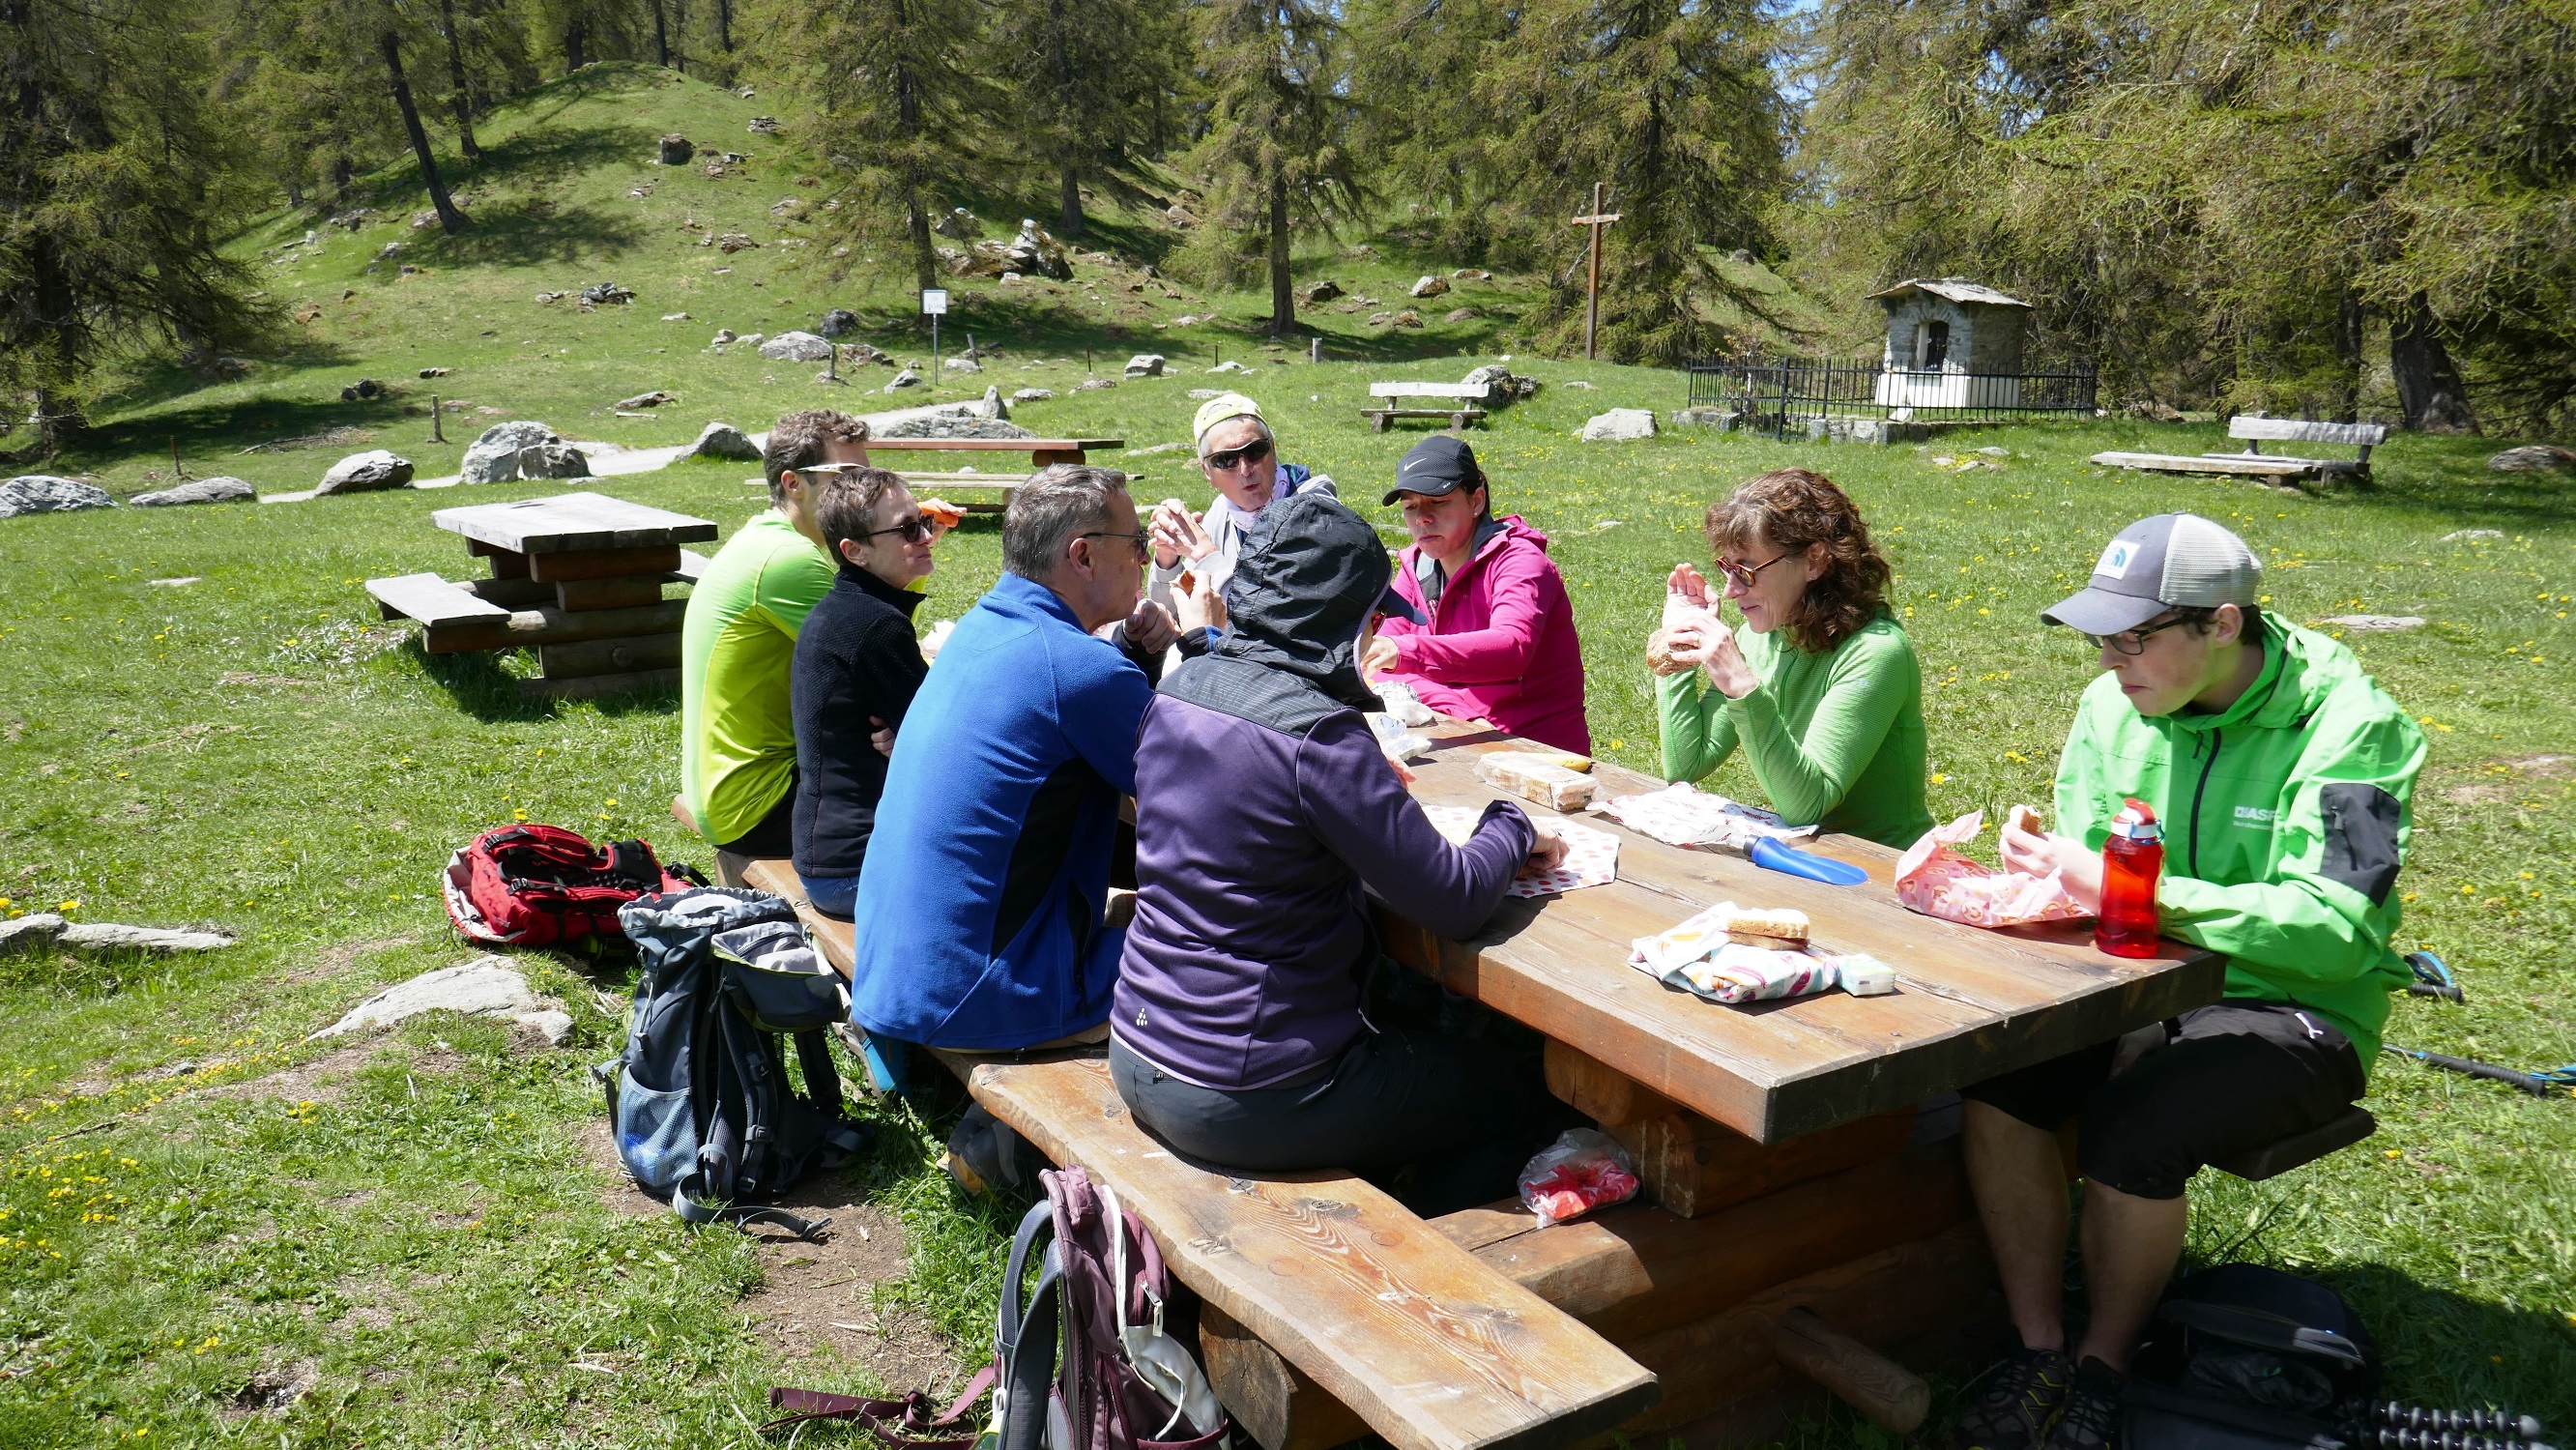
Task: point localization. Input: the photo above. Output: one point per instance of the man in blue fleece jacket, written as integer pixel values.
(984, 879)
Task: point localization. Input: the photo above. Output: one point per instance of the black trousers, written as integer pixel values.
(2232, 1077)
(775, 835)
(1463, 1114)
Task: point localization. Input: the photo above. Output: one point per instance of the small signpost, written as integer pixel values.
(1592, 298)
(934, 305)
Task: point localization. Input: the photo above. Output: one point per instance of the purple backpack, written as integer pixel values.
(1095, 1361)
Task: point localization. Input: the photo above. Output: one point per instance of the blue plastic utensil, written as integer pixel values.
(1771, 855)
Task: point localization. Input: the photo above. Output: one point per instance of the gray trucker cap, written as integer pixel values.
(2169, 561)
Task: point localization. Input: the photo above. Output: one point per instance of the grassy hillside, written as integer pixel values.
(422, 1230)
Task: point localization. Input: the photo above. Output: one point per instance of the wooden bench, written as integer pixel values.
(1460, 412)
(2255, 463)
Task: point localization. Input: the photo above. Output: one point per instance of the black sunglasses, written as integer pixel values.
(1142, 549)
(2134, 641)
(915, 530)
(1230, 459)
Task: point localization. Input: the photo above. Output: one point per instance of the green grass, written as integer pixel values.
(423, 1221)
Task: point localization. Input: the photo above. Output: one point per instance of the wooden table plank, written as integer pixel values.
(1435, 1350)
(992, 445)
(1430, 390)
(433, 601)
(1971, 1003)
(572, 521)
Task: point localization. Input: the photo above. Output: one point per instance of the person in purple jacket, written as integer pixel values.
(1265, 813)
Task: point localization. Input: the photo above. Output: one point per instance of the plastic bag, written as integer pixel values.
(1404, 705)
(1937, 881)
(1681, 814)
(1393, 739)
(1581, 1171)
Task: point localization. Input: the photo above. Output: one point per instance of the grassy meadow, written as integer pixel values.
(213, 1232)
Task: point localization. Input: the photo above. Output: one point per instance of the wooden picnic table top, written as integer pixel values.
(1000, 445)
(566, 522)
(1970, 1002)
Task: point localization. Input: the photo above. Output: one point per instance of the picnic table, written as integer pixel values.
(578, 577)
(1805, 1227)
(1041, 451)
(1459, 406)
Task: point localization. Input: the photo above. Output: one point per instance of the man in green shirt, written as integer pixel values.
(738, 643)
(2281, 776)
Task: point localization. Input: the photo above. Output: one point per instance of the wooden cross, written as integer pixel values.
(1592, 299)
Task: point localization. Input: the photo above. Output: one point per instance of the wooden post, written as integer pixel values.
(1315, 348)
(1857, 1375)
(435, 434)
(1592, 293)
(176, 470)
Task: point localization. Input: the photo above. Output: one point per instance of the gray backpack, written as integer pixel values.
(699, 1101)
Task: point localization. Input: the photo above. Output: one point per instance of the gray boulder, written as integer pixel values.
(1497, 377)
(32, 930)
(960, 420)
(368, 472)
(796, 347)
(1321, 293)
(1145, 365)
(994, 405)
(840, 322)
(197, 490)
(2537, 457)
(962, 365)
(1430, 286)
(44, 493)
(1722, 419)
(483, 987)
(959, 225)
(1093, 385)
(904, 379)
(108, 936)
(675, 150)
(1620, 425)
(653, 399)
(1032, 395)
(723, 335)
(2378, 623)
(723, 440)
(508, 452)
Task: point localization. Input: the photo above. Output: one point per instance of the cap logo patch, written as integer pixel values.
(2115, 559)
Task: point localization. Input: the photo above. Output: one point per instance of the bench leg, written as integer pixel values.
(1378, 421)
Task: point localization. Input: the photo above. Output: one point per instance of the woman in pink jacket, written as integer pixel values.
(1500, 646)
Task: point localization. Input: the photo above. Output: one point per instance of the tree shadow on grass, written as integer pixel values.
(2442, 1350)
(209, 435)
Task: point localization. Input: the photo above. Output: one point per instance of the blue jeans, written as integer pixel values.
(834, 896)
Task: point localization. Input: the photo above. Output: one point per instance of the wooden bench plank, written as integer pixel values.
(571, 521)
(433, 601)
(693, 567)
(1431, 390)
(1431, 1347)
(2303, 430)
(2249, 466)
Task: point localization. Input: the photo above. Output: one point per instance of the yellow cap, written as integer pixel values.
(1217, 409)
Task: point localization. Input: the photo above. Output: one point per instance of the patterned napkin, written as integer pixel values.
(1682, 814)
(1591, 857)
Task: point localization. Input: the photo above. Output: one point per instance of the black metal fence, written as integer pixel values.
(1777, 394)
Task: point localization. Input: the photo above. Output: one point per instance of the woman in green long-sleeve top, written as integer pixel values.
(1819, 686)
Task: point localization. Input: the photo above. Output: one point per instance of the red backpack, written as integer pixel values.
(535, 886)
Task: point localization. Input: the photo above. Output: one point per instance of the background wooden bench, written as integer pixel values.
(2255, 463)
(1460, 411)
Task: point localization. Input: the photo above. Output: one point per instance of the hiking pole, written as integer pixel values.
(2433, 979)
(2392, 1421)
(2544, 1083)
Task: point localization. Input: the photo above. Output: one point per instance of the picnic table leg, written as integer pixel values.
(1857, 1375)
(1378, 421)
(1041, 457)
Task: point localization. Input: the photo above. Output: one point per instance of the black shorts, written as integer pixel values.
(2231, 1078)
(774, 835)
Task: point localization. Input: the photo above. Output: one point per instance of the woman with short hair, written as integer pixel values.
(1819, 686)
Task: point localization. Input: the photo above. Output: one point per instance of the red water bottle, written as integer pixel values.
(2133, 855)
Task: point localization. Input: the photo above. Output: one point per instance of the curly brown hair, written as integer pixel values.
(1790, 509)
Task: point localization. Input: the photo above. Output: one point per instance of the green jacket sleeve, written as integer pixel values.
(1868, 684)
(2327, 917)
(1698, 733)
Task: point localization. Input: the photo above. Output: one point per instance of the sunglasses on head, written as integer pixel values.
(914, 530)
(1229, 459)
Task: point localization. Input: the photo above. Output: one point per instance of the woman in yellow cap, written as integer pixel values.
(1240, 456)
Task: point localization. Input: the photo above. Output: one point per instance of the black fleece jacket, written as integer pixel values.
(856, 658)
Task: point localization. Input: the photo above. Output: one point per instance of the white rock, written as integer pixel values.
(1579, 383)
(1032, 395)
(723, 335)
(367, 472)
(675, 317)
(1093, 385)
(751, 338)
(723, 440)
(102, 936)
(1229, 366)
(30, 930)
(1160, 447)
(509, 452)
(2540, 457)
(222, 489)
(1201, 395)
(796, 347)
(1620, 425)
(44, 493)
(484, 987)
(1430, 286)
(2377, 623)
(904, 379)
(2461, 535)
(1145, 365)
(962, 365)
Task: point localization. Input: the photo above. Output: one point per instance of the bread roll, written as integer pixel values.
(1779, 931)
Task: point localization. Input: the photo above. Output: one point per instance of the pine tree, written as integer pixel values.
(1083, 78)
(113, 182)
(896, 106)
(1276, 120)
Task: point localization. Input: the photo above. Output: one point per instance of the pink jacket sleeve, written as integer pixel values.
(1521, 588)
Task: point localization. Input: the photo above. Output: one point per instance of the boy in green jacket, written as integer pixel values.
(2282, 777)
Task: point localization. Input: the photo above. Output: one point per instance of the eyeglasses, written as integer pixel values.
(914, 530)
(834, 468)
(1142, 550)
(1229, 459)
(1742, 577)
(2134, 641)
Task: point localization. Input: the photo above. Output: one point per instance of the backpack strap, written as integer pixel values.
(904, 1424)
